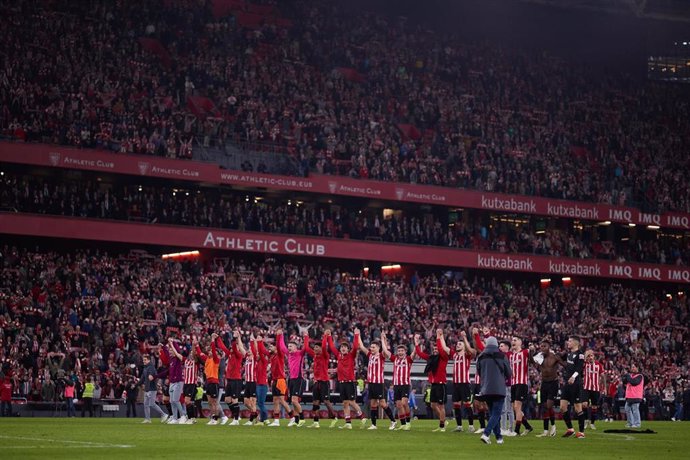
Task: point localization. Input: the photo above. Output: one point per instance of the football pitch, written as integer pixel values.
(127, 438)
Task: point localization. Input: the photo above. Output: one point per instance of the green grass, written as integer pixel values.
(104, 437)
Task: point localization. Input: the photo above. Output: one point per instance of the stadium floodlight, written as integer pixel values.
(177, 255)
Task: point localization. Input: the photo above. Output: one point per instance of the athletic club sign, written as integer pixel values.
(225, 240)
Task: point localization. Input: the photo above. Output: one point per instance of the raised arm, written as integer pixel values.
(477, 339)
(305, 345)
(443, 349)
(214, 352)
(200, 353)
(384, 346)
(222, 346)
(280, 343)
(324, 343)
(413, 354)
(468, 347)
(262, 348)
(174, 351)
(238, 346)
(417, 348)
(355, 343)
(361, 346)
(331, 346)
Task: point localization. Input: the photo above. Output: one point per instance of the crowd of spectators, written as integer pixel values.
(344, 93)
(213, 207)
(65, 315)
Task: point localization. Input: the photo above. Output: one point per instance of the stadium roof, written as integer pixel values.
(665, 10)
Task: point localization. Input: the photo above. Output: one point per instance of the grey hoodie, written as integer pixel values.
(494, 370)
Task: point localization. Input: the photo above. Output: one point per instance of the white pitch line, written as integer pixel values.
(626, 437)
(64, 441)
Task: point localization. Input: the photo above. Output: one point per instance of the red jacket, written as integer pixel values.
(278, 361)
(439, 375)
(233, 366)
(346, 362)
(320, 360)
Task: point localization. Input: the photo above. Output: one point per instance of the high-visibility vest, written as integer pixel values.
(88, 390)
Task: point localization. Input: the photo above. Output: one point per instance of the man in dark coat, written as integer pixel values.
(494, 371)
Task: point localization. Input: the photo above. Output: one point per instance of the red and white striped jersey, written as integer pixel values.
(519, 361)
(375, 368)
(249, 369)
(593, 373)
(190, 371)
(461, 366)
(401, 370)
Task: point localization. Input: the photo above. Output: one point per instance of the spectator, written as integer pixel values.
(48, 390)
(6, 397)
(634, 394)
(444, 117)
(132, 394)
(678, 404)
(69, 398)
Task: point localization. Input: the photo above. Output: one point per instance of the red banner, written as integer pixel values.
(217, 239)
(140, 165)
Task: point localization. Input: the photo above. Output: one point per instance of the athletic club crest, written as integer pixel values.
(332, 185)
(144, 167)
(55, 158)
(399, 192)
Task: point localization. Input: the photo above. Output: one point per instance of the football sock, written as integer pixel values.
(567, 420)
(457, 411)
(581, 418)
(470, 415)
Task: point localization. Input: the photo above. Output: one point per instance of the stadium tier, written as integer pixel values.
(228, 209)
